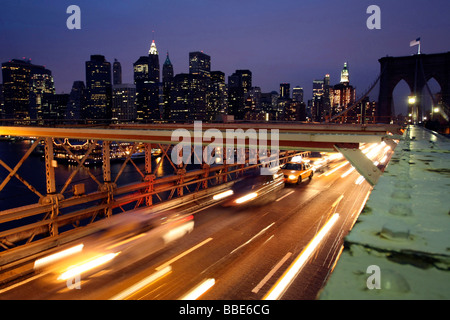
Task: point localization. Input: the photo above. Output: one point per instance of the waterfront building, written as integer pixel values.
(24, 84)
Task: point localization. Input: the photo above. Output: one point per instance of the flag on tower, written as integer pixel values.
(414, 42)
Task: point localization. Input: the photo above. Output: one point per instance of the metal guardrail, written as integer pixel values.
(58, 216)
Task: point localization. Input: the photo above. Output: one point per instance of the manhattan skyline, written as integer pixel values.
(284, 41)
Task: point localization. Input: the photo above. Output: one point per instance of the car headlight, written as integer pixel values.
(292, 177)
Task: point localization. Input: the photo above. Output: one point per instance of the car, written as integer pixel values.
(319, 161)
(296, 172)
(255, 189)
(119, 241)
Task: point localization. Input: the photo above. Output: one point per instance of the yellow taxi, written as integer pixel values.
(296, 172)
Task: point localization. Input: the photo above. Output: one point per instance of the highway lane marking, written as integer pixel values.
(141, 284)
(254, 237)
(287, 194)
(181, 255)
(271, 273)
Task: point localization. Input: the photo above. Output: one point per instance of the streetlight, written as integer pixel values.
(412, 102)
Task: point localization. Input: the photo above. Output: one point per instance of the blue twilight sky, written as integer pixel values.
(293, 41)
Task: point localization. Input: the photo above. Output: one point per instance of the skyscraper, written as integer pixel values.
(117, 72)
(76, 101)
(218, 96)
(317, 100)
(146, 79)
(327, 97)
(54, 106)
(297, 94)
(153, 57)
(167, 84)
(269, 105)
(200, 69)
(143, 88)
(344, 94)
(167, 70)
(345, 74)
(98, 88)
(199, 64)
(23, 86)
(123, 102)
(285, 90)
(239, 83)
(183, 97)
(252, 109)
(41, 83)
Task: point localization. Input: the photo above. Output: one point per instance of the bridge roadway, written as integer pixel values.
(245, 251)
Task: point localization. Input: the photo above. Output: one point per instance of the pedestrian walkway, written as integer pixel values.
(400, 246)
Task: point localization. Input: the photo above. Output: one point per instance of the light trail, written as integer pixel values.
(246, 198)
(94, 263)
(57, 256)
(141, 284)
(360, 180)
(200, 289)
(271, 273)
(291, 273)
(348, 172)
(334, 169)
(223, 195)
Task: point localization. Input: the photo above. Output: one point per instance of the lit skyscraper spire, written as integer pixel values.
(344, 74)
(153, 50)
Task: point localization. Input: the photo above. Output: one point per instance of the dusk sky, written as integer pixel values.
(293, 41)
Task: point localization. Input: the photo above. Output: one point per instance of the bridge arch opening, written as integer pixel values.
(400, 95)
(430, 97)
